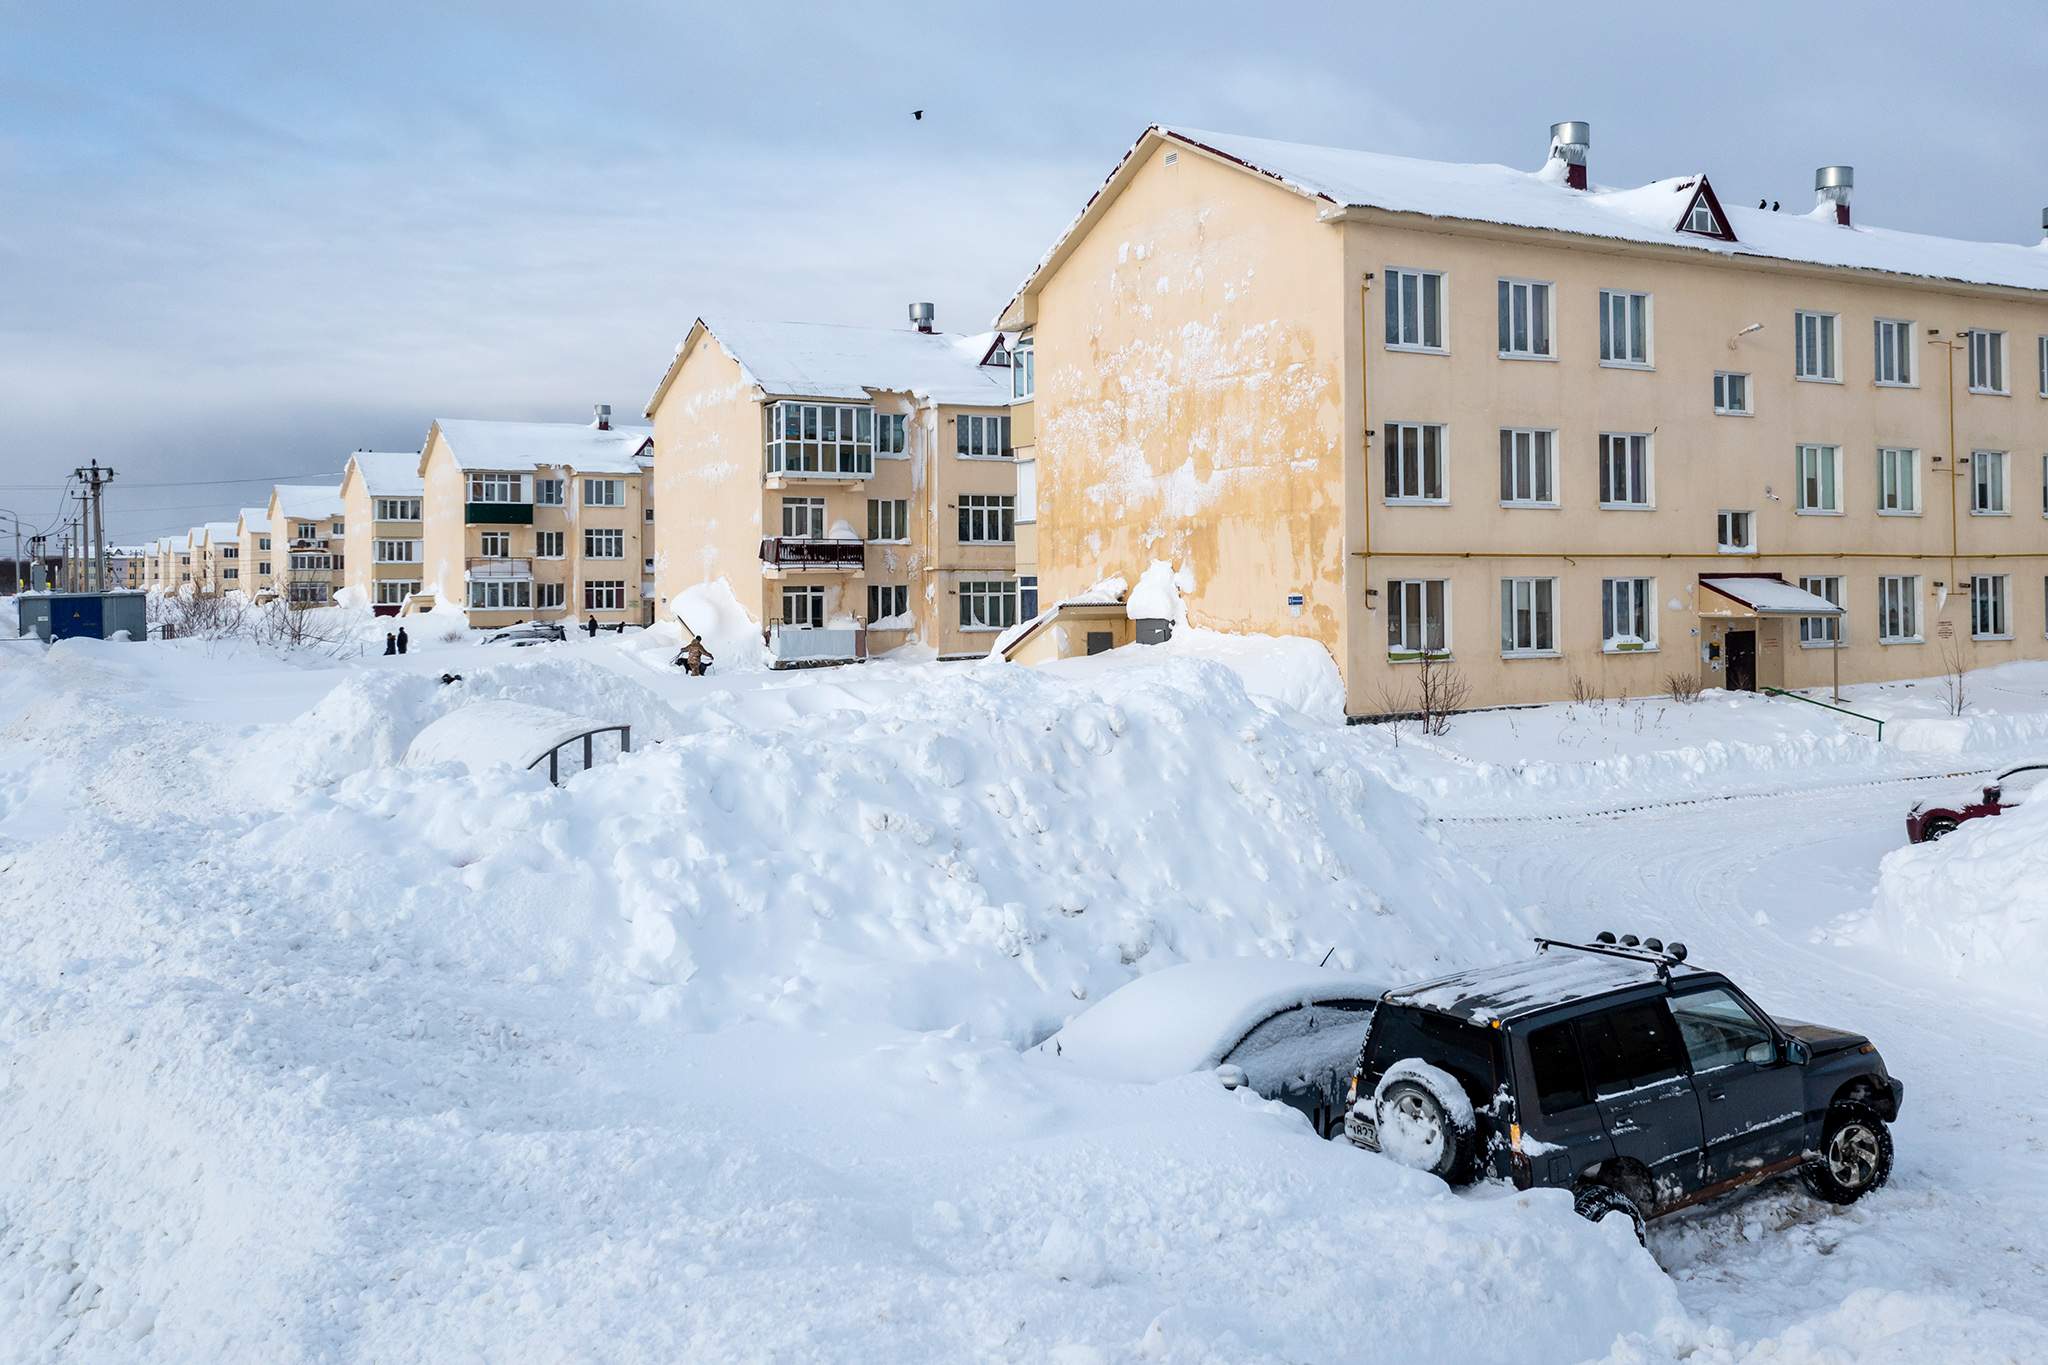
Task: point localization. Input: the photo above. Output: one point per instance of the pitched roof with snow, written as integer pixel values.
(543, 445)
(1344, 178)
(388, 473)
(220, 530)
(256, 519)
(828, 360)
(310, 500)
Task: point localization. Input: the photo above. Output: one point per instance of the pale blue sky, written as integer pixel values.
(245, 240)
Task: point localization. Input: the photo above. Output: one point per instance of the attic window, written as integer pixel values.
(1702, 219)
(1172, 159)
(1703, 216)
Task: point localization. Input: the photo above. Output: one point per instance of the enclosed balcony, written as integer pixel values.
(481, 567)
(808, 554)
(793, 646)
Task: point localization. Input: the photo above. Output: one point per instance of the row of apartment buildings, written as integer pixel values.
(1562, 435)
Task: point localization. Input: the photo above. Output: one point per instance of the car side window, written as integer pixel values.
(1718, 1029)
(1630, 1046)
(1560, 1075)
(1302, 1040)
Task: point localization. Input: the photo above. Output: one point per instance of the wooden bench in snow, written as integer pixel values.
(485, 734)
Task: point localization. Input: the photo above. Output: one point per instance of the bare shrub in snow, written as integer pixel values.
(1683, 687)
(1954, 664)
(204, 616)
(278, 624)
(1583, 692)
(1441, 692)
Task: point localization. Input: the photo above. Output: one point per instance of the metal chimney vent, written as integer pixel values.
(922, 315)
(1831, 185)
(1568, 143)
(604, 416)
(2044, 222)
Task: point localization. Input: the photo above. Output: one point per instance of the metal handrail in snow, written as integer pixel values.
(553, 757)
(1826, 706)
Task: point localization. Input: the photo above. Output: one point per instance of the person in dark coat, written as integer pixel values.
(390, 643)
(401, 639)
(590, 626)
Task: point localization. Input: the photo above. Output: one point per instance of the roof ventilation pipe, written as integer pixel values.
(604, 416)
(1568, 143)
(1831, 185)
(922, 316)
(2044, 226)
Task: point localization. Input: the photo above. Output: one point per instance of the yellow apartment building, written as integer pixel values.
(308, 563)
(854, 486)
(221, 553)
(384, 545)
(1566, 436)
(252, 533)
(526, 521)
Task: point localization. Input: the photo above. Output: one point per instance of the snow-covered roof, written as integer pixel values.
(1769, 596)
(388, 473)
(1345, 178)
(310, 500)
(579, 446)
(220, 530)
(484, 734)
(255, 519)
(1185, 1018)
(828, 360)
(1554, 977)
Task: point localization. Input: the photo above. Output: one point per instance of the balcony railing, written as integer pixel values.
(497, 513)
(497, 566)
(802, 552)
(792, 646)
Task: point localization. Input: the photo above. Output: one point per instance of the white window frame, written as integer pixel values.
(395, 552)
(1515, 298)
(1024, 369)
(1412, 631)
(1991, 605)
(888, 521)
(486, 539)
(604, 594)
(987, 519)
(981, 436)
(2044, 485)
(1624, 442)
(397, 509)
(892, 436)
(2041, 346)
(500, 488)
(987, 604)
(1898, 601)
(392, 592)
(1633, 310)
(549, 544)
(1723, 384)
(547, 492)
(799, 445)
(1528, 467)
(1027, 596)
(890, 594)
(803, 518)
(1980, 486)
(500, 594)
(1816, 347)
(604, 492)
(1631, 597)
(1893, 364)
(1817, 473)
(1424, 287)
(549, 595)
(1891, 461)
(1723, 524)
(1822, 632)
(1525, 594)
(1027, 492)
(803, 605)
(1395, 464)
(1987, 352)
(604, 542)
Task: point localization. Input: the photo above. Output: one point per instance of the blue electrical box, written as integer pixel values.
(83, 615)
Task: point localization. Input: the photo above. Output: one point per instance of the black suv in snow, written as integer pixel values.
(1616, 1071)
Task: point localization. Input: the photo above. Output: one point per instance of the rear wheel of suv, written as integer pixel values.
(1855, 1155)
(1595, 1202)
(1415, 1131)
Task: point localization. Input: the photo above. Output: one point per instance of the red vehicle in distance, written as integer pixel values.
(1928, 821)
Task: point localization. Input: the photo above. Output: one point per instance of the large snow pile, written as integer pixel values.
(718, 619)
(1973, 905)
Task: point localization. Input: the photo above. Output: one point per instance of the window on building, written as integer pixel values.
(1528, 467)
(547, 492)
(1418, 617)
(988, 605)
(1898, 609)
(604, 594)
(1628, 613)
(1524, 317)
(549, 596)
(1987, 483)
(887, 601)
(604, 542)
(337, 528)
(395, 551)
(821, 438)
(2044, 485)
(1822, 630)
(1990, 603)
(263, 567)
(547, 544)
(888, 519)
(1731, 393)
(307, 530)
(1735, 532)
(494, 544)
(2041, 346)
(1819, 471)
(647, 514)
(892, 433)
(1898, 481)
(398, 509)
(1027, 492)
(1414, 455)
(604, 492)
(230, 552)
(1814, 349)
(979, 437)
(987, 519)
(1024, 368)
(500, 488)
(1894, 352)
(1027, 596)
(308, 593)
(1987, 361)
(230, 574)
(392, 592)
(1415, 310)
(263, 542)
(1624, 328)
(804, 605)
(1528, 616)
(803, 518)
(1624, 469)
(500, 594)
(1700, 218)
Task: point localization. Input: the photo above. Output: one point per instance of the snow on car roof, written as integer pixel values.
(1555, 977)
(389, 473)
(827, 360)
(484, 734)
(587, 449)
(1184, 1018)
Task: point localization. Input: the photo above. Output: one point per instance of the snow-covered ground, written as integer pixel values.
(718, 1052)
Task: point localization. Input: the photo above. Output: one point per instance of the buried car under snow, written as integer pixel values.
(1617, 1071)
(1930, 820)
(1286, 1030)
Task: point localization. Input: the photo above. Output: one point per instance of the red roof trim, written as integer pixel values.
(1706, 192)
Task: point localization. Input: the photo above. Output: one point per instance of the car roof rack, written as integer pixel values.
(1650, 951)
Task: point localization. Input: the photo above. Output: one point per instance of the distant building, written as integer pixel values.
(306, 529)
(381, 493)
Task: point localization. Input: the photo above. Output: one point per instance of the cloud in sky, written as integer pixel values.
(245, 240)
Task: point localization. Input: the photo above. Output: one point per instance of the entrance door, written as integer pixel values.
(1742, 661)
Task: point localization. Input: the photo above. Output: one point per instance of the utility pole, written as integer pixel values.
(93, 523)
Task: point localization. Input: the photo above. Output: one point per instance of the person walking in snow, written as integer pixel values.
(590, 626)
(390, 644)
(401, 639)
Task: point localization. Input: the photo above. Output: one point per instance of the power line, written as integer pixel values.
(183, 483)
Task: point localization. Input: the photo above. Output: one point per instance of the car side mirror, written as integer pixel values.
(1761, 1054)
(1992, 794)
(1231, 1076)
(1797, 1052)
